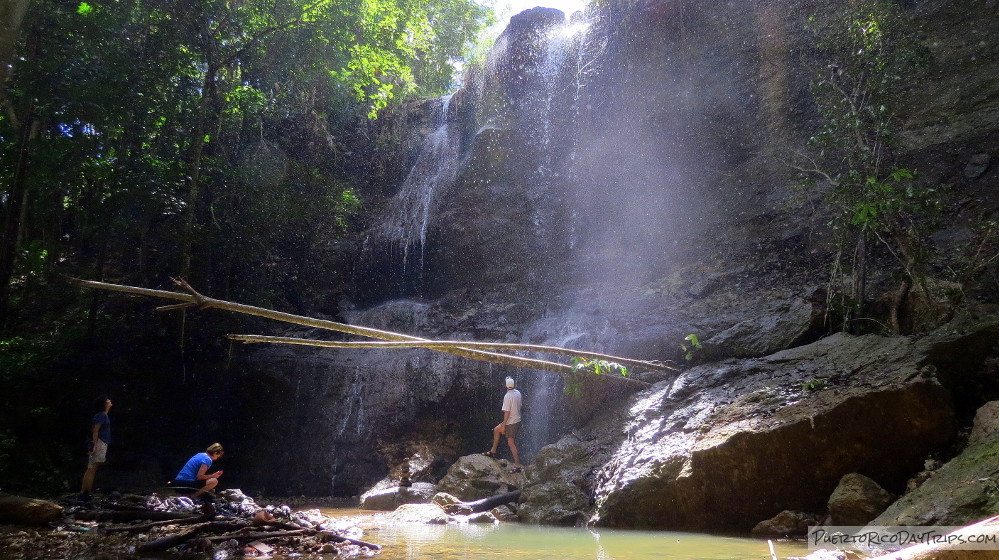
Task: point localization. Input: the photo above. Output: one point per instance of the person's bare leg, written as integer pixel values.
(88, 479)
(513, 449)
(209, 484)
(497, 431)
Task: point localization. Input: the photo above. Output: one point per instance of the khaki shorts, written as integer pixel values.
(100, 453)
(511, 430)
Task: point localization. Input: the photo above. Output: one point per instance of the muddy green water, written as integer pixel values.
(515, 541)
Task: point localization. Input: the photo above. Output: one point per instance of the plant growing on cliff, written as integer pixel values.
(691, 347)
(866, 54)
(582, 368)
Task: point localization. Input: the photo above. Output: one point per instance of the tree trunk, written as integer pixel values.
(11, 15)
(18, 194)
(194, 176)
(896, 306)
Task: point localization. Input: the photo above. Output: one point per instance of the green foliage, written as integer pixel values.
(598, 367)
(271, 96)
(691, 347)
(127, 105)
(815, 385)
(582, 368)
(867, 53)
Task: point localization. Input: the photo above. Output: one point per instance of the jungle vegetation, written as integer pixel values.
(208, 139)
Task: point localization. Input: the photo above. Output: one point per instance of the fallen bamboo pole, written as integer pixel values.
(443, 344)
(193, 299)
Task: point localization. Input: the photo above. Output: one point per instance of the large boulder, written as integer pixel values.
(776, 328)
(419, 513)
(474, 477)
(961, 491)
(785, 524)
(728, 444)
(27, 511)
(547, 498)
(856, 500)
(725, 445)
(986, 424)
(388, 499)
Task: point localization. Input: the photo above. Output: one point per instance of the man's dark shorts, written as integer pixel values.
(511, 430)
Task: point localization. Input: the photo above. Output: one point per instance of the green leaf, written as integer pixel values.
(84, 9)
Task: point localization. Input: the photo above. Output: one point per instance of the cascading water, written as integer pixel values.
(402, 232)
(354, 404)
(559, 80)
(524, 99)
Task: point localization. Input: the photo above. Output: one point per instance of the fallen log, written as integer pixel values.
(147, 526)
(260, 535)
(27, 511)
(170, 541)
(242, 536)
(371, 546)
(193, 299)
(126, 516)
(485, 504)
(445, 344)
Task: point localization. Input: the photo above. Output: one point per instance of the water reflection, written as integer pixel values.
(514, 541)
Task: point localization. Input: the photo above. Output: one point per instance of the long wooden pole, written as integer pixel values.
(194, 299)
(444, 344)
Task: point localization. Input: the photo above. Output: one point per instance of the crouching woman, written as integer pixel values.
(196, 470)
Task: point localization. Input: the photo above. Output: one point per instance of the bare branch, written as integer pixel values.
(443, 344)
(204, 302)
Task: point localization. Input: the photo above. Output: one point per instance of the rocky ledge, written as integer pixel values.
(726, 445)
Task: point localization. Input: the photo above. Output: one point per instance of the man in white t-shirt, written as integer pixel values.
(510, 424)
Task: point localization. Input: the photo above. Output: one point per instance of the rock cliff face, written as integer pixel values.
(612, 187)
(727, 445)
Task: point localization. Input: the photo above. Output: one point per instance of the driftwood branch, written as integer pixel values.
(127, 516)
(485, 504)
(194, 299)
(242, 536)
(170, 541)
(147, 526)
(445, 344)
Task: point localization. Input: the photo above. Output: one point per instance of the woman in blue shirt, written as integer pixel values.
(196, 470)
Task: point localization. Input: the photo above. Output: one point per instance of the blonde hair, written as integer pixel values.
(214, 448)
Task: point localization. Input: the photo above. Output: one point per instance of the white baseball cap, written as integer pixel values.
(509, 382)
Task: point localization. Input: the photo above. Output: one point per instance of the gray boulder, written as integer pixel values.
(986, 424)
(727, 444)
(556, 490)
(419, 513)
(388, 499)
(474, 477)
(857, 500)
(961, 491)
(977, 166)
(777, 328)
(785, 524)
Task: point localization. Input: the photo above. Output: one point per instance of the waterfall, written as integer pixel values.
(403, 227)
(558, 75)
(546, 401)
(354, 407)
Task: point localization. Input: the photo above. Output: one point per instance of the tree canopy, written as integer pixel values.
(202, 137)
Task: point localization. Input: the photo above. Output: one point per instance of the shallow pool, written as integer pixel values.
(512, 541)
